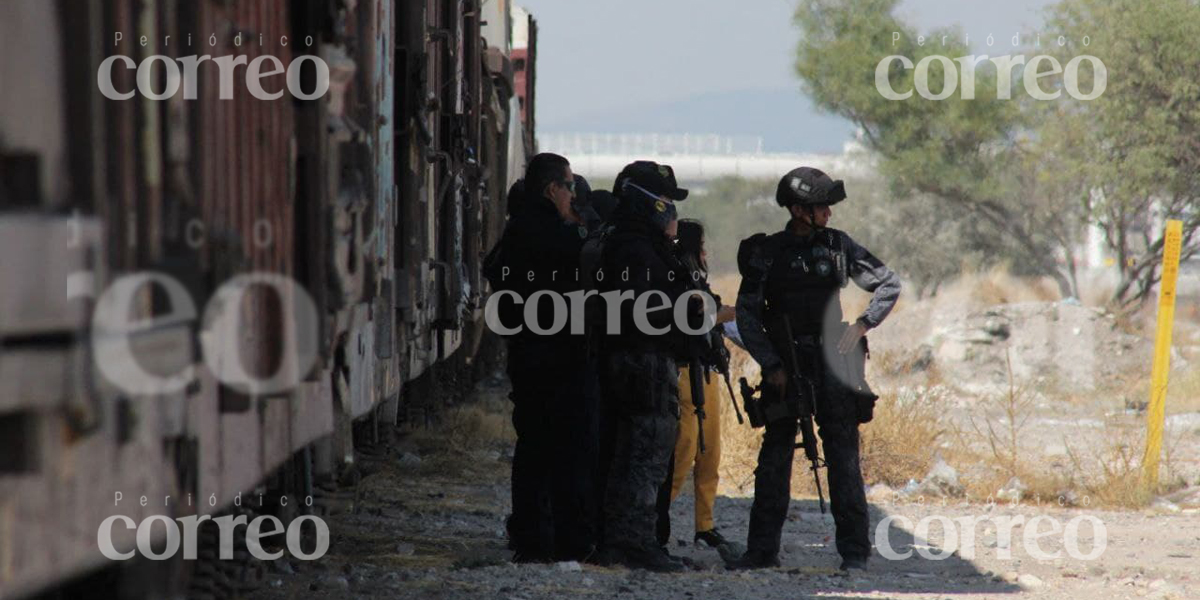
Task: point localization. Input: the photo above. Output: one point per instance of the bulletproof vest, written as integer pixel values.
(804, 281)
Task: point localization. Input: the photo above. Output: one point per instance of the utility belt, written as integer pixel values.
(833, 386)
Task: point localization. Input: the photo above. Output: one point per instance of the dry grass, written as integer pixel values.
(1003, 435)
(1109, 474)
(998, 286)
(993, 447)
(1112, 476)
(478, 427)
(903, 439)
(1183, 391)
(739, 443)
(894, 363)
(462, 433)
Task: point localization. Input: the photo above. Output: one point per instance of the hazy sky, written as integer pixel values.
(594, 55)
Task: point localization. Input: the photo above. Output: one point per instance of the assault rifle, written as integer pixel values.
(698, 351)
(718, 359)
(696, 380)
(807, 408)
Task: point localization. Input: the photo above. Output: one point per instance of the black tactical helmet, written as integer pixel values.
(807, 186)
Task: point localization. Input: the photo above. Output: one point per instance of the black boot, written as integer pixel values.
(858, 563)
(753, 559)
(712, 537)
(650, 559)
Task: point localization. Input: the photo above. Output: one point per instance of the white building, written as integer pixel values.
(695, 157)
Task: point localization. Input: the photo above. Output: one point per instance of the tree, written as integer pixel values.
(973, 154)
(1138, 145)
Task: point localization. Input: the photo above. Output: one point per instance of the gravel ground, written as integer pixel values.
(430, 525)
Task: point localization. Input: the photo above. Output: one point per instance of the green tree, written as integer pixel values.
(1137, 146)
(975, 156)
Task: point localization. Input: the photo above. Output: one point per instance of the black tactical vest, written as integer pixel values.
(804, 280)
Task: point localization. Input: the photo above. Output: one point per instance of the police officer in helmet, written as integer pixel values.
(790, 318)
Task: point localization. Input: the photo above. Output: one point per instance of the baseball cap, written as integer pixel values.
(652, 177)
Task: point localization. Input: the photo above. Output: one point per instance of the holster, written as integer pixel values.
(776, 406)
(752, 406)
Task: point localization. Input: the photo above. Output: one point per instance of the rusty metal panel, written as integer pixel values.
(386, 197)
(243, 146)
(383, 83)
(417, 166)
(276, 430)
(70, 488)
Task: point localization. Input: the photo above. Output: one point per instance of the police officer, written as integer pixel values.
(554, 390)
(790, 284)
(638, 367)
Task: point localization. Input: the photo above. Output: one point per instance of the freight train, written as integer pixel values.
(214, 286)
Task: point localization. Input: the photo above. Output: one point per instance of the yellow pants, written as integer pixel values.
(687, 447)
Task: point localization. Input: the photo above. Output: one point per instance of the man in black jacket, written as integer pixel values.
(554, 390)
(638, 363)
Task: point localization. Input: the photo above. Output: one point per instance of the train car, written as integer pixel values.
(215, 284)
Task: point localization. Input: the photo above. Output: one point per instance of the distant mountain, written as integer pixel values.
(784, 118)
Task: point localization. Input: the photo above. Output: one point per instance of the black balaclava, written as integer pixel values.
(642, 204)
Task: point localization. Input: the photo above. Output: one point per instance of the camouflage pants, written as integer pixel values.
(772, 487)
(642, 395)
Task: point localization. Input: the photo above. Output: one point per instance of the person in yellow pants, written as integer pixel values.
(687, 453)
(687, 457)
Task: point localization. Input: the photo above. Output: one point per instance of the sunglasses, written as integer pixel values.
(569, 184)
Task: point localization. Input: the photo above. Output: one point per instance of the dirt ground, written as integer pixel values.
(426, 521)
(427, 518)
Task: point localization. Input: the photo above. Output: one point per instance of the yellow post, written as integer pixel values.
(1162, 353)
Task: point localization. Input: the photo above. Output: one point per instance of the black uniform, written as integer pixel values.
(554, 391)
(801, 276)
(639, 377)
(641, 386)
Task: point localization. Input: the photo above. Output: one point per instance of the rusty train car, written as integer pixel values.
(377, 199)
